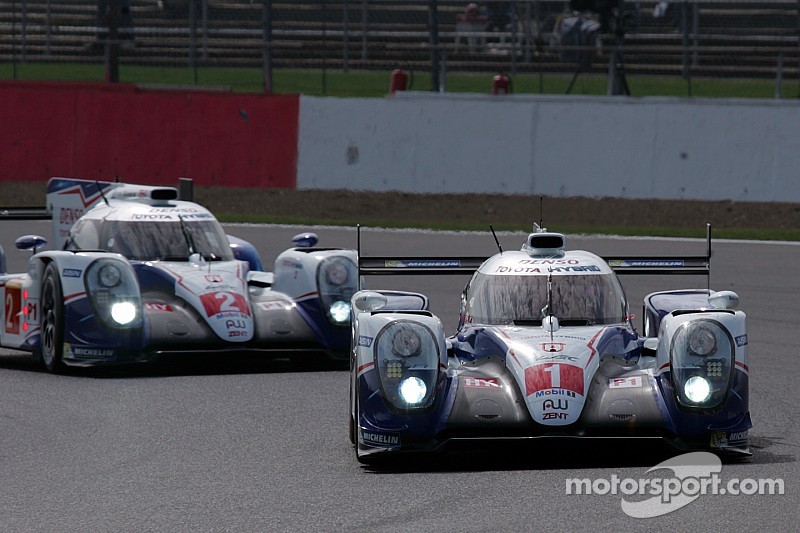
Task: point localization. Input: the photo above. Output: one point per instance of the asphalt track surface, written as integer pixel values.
(260, 445)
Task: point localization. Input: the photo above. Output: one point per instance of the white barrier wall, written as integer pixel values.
(746, 150)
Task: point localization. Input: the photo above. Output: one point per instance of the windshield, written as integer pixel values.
(151, 241)
(522, 300)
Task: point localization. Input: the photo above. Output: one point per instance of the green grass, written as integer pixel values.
(376, 83)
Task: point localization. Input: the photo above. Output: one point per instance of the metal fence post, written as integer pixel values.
(266, 51)
(364, 28)
(345, 36)
(112, 42)
(204, 9)
(433, 28)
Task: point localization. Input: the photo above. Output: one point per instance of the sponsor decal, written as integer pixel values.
(292, 264)
(555, 270)
(553, 346)
(554, 392)
(69, 215)
(726, 439)
(213, 278)
(625, 383)
(154, 306)
(235, 324)
(549, 262)
(382, 440)
(268, 306)
(553, 376)
(482, 383)
(557, 404)
(556, 357)
(365, 341)
(71, 273)
(423, 263)
(88, 352)
(555, 416)
(647, 263)
(741, 340)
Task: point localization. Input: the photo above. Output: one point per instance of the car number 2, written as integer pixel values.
(215, 303)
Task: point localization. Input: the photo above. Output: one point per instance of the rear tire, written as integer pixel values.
(51, 348)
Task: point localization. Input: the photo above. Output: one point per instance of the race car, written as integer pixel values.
(545, 347)
(134, 273)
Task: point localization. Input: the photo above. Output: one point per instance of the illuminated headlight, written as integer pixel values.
(123, 312)
(113, 289)
(340, 312)
(697, 389)
(702, 359)
(413, 390)
(407, 358)
(702, 341)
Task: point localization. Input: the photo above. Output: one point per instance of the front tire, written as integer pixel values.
(52, 337)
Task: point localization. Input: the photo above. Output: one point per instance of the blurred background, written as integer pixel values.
(725, 48)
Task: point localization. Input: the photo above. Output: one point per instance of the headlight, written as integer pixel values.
(340, 312)
(413, 390)
(407, 358)
(109, 275)
(406, 342)
(123, 312)
(701, 358)
(337, 283)
(697, 389)
(336, 273)
(702, 341)
(114, 292)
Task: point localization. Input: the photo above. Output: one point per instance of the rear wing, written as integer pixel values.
(654, 265)
(69, 198)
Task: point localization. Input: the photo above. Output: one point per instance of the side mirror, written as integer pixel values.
(30, 242)
(651, 344)
(723, 300)
(305, 240)
(369, 301)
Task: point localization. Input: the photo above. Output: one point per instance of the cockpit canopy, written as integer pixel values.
(172, 240)
(577, 300)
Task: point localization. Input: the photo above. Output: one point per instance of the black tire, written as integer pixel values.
(352, 429)
(51, 347)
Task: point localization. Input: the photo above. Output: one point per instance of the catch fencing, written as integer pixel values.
(214, 39)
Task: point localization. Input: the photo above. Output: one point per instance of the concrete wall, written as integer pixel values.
(100, 131)
(557, 146)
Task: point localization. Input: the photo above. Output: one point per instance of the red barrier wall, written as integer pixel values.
(102, 131)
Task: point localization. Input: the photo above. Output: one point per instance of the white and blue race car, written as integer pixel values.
(135, 273)
(545, 347)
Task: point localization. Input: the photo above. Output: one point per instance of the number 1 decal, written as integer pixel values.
(555, 376)
(548, 376)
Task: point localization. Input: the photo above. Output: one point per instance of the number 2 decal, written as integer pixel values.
(215, 303)
(229, 303)
(12, 307)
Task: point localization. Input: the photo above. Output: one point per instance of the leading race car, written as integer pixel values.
(136, 273)
(545, 347)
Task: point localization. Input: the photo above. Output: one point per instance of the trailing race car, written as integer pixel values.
(545, 347)
(136, 273)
